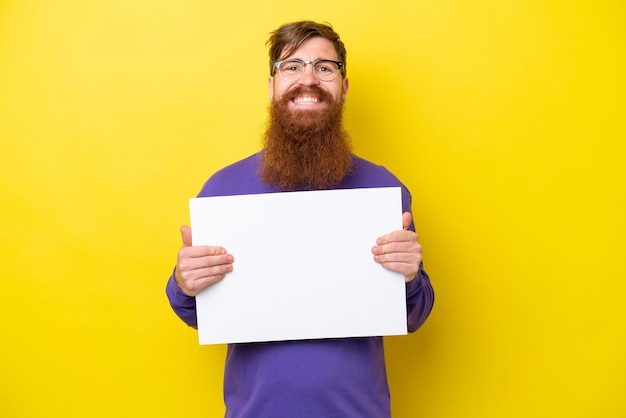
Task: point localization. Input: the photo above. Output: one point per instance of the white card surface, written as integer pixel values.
(303, 266)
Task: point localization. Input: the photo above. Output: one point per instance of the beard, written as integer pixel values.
(305, 149)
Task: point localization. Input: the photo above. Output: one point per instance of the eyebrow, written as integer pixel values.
(317, 59)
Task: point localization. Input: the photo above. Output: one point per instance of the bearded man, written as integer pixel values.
(305, 148)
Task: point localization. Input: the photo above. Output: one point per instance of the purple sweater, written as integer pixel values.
(328, 378)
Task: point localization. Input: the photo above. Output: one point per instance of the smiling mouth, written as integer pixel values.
(304, 100)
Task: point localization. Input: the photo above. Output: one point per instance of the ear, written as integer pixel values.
(345, 86)
(270, 87)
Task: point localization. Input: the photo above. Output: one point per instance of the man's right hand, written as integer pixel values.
(200, 266)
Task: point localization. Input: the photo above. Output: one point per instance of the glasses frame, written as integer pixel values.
(304, 63)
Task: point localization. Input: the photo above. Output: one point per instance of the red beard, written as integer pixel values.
(305, 149)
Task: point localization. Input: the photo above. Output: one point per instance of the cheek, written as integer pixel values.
(270, 87)
(278, 92)
(279, 87)
(339, 90)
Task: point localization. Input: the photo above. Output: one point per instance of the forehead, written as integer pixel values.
(314, 49)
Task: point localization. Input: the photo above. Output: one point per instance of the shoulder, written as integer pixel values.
(246, 165)
(237, 178)
(365, 173)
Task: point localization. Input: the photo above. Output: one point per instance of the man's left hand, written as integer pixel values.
(400, 250)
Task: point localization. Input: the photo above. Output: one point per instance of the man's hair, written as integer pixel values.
(287, 38)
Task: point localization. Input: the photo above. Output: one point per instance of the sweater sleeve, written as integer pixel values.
(420, 295)
(184, 306)
(420, 299)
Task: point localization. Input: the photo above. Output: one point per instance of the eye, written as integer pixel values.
(326, 67)
(291, 67)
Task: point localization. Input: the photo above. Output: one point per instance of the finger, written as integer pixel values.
(201, 251)
(401, 263)
(223, 259)
(397, 236)
(396, 257)
(388, 248)
(406, 220)
(197, 285)
(185, 233)
(207, 272)
(404, 245)
(200, 257)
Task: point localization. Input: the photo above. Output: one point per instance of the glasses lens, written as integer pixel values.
(326, 70)
(291, 70)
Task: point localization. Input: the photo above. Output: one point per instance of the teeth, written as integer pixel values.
(306, 100)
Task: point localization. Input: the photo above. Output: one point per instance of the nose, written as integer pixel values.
(308, 77)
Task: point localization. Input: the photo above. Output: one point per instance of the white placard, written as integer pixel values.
(303, 266)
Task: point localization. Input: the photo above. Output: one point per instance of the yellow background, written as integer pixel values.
(504, 118)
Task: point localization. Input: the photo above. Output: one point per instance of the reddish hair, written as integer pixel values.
(287, 38)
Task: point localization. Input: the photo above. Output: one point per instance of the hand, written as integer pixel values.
(200, 266)
(400, 250)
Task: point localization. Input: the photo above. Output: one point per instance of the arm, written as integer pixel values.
(420, 299)
(183, 305)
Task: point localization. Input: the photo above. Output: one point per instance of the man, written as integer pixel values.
(305, 148)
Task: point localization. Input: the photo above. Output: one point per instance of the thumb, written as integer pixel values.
(406, 220)
(185, 233)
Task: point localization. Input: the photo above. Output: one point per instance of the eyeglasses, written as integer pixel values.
(293, 69)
